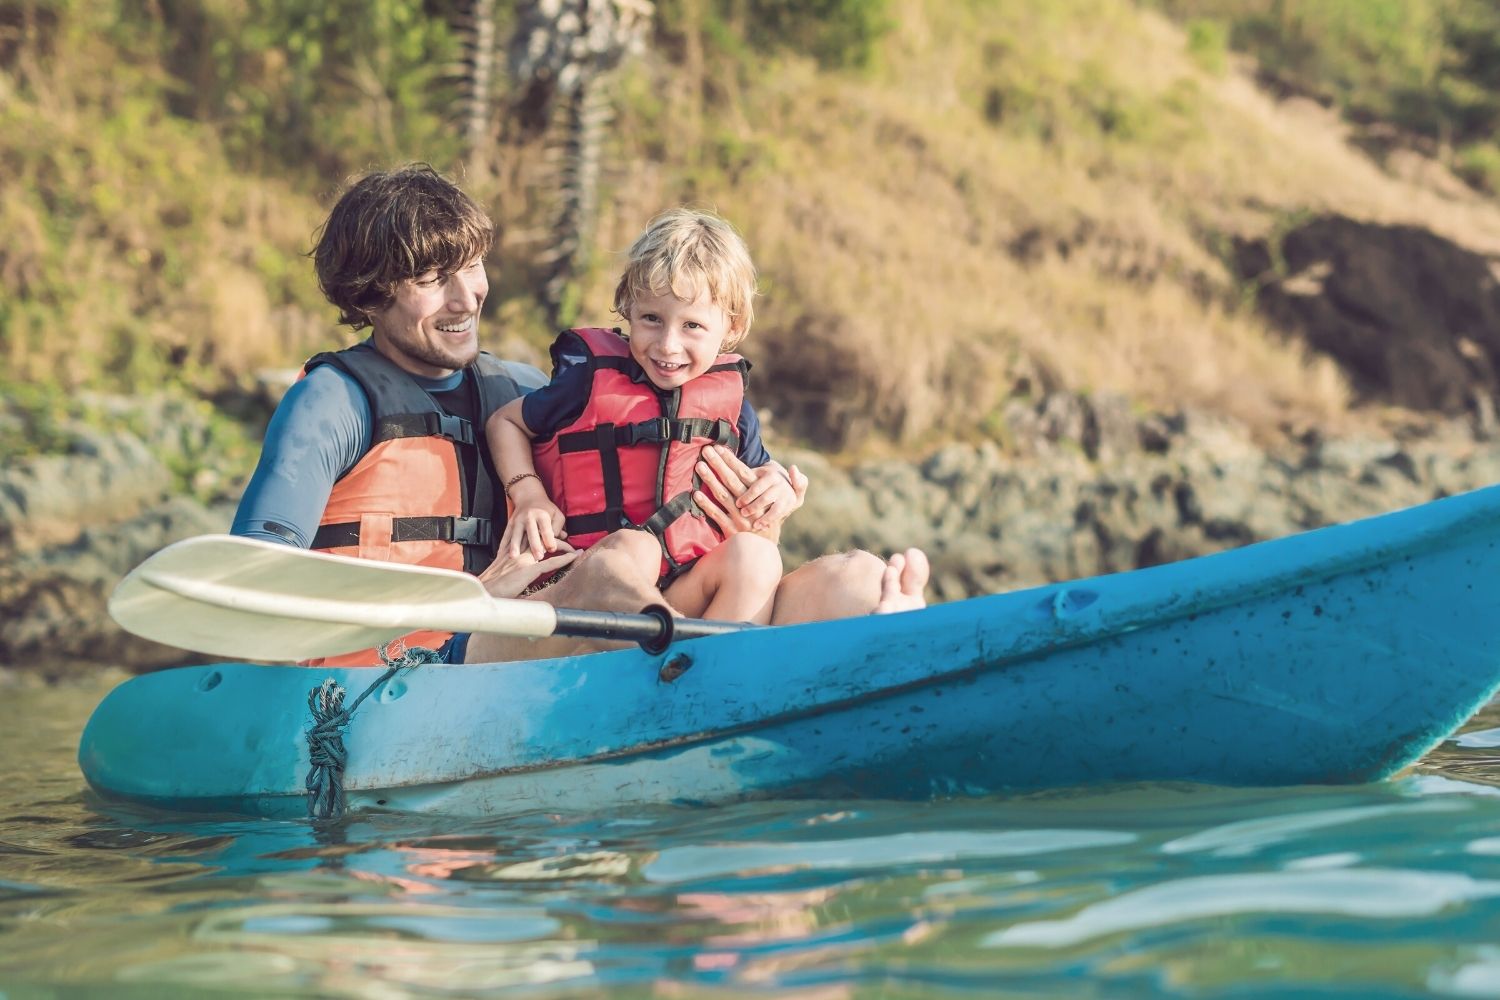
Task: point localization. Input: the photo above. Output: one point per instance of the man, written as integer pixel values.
(377, 451)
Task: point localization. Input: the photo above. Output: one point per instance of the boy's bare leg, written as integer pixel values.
(735, 582)
(617, 574)
(851, 584)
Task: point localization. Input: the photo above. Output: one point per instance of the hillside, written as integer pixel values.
(1004, 201)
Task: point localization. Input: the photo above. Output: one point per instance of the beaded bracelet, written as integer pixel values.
(513, 480)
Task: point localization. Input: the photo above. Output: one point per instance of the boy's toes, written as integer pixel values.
(915, 574)
(903, 582)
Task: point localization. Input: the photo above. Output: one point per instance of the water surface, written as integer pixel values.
(1389, 890)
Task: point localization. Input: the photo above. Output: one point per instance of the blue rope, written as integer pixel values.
(325, 740)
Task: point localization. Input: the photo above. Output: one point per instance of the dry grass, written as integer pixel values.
(135, 251)
(918, 254)
(1013, 189)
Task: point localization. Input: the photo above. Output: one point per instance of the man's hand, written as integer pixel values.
(769, 497)
(738, 498)
(512, 573)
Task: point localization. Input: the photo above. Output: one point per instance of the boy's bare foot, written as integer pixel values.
(903, 582)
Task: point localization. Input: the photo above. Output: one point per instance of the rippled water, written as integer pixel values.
(1388, 890)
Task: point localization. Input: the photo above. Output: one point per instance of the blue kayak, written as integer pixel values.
(1337, 655)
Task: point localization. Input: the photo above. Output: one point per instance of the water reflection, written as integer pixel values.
(1380, 890)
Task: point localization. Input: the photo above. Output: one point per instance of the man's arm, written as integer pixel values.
(321, 428)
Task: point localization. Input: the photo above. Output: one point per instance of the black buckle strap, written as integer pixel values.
(679, 506)
(587, 524)
(453, 428)
(659, 430)
(405, 425)
(717, 431)
(646, 432)
(463, 530)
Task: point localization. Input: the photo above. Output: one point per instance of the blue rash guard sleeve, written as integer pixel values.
(322, 427)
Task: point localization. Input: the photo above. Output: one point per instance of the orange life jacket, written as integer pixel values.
(627, 460)
(412, 497)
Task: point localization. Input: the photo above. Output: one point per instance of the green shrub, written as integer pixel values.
(1208, 44)
(837, 33)
(1430, 66)
(336, 85)
(1479, 164)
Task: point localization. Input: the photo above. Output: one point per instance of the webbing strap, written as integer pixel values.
(609, 467)
(658, 523)
(668, 512)
(587, 524)
(463, 530)
(656, 431)
(405, 425)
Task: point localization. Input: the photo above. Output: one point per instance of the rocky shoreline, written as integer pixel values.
(1085, 488)
(1166, 488)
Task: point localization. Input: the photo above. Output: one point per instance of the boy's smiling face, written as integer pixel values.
(674, 340)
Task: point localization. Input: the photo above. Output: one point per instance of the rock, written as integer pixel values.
(55, 601)
(1196, 484)
(48, 499)
(1413, 318)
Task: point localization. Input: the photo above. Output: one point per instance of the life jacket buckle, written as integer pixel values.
(471, 530)
(657, 431)
(453, 428)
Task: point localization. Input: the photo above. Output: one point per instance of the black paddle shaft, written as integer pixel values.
(655, 628)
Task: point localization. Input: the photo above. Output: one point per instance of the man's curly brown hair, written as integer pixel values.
(390, 226)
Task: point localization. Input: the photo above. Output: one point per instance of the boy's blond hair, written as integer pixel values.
(686, 251)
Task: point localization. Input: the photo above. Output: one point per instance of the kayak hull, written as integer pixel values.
(1337, 655)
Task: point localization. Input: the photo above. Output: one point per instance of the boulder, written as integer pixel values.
(1412, 318)
(50, 499)
(55, 601)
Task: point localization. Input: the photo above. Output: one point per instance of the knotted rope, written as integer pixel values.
(325, 740)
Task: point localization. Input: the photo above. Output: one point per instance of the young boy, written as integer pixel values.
(613, 441)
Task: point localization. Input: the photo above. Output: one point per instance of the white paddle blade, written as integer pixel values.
(243, 597)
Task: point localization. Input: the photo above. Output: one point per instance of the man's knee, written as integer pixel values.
(836, 586)
(848, 570)
(636, 548)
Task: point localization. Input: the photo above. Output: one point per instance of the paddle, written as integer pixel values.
(243, 597)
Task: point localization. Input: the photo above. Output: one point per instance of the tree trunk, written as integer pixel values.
(481, 67)
(585, 116)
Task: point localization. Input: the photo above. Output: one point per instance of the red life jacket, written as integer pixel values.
(411, 498)
(627, 460)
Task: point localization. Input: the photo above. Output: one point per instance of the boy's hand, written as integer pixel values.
(535, 526)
